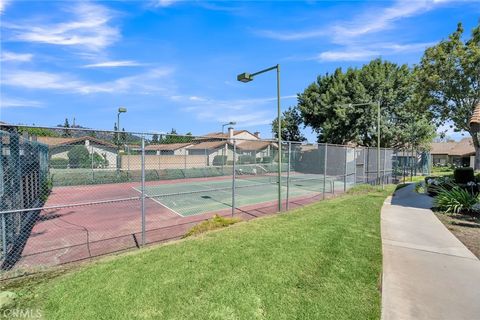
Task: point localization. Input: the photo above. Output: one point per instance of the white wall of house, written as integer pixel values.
(110, 155)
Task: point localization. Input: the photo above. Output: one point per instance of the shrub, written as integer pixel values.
(59, 163)
(455, 200)
(246, 159)
(216, 222)
(463, 175)
(219, 160)
(267, 160)
(79, 157)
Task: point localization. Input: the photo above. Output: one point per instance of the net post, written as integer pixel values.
(288, 172)
(345, 171)
(233, 175)
(324, 171)
(143, 189)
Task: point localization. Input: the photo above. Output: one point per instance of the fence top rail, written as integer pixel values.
(206, 137)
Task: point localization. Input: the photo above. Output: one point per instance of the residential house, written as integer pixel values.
(59, 146)
(458, 153)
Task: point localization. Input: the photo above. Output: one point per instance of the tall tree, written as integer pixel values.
(66, 132)
(328, 105)
(449, 80)
(291, 122)
(155, 138)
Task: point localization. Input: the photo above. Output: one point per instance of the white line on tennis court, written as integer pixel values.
(181, 215)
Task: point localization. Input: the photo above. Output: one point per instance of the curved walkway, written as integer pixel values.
(427, 272)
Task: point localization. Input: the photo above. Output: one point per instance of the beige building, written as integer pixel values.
(458, 153)
(58, 147)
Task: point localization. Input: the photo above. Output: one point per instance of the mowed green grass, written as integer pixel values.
(318, 262)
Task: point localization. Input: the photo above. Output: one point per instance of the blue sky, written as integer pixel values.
(173, 64)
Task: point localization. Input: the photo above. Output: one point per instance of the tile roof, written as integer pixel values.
(463, 147)
(475, 119)
(255, 145)
(167, 146)
(208, 145)
(59, 141)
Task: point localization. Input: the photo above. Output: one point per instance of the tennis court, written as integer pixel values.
(198, 197)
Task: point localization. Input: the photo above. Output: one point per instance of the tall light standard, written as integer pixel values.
(231, 123)
(120, 110)
(247, 77)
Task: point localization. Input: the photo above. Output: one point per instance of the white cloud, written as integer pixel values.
(375, 21)
(3, 4)
(347, 55)
(6, 102)
(89, 29)
(144, 83)
(246, 112)
(286, 36)
(370, 21)
(372, 50)
(164, 3)
(12, 56)
(114, 64)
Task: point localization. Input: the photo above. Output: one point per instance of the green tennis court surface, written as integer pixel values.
(196, 197)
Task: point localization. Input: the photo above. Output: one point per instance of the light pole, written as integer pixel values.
(120, 110)
(231, 123)
(247, 77)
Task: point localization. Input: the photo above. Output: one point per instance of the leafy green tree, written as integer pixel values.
(328, 105)
(449, 81)
(155, 139)
(173, 137)
(291, 121)
(66, 132)
(39, 132)
(79, 157)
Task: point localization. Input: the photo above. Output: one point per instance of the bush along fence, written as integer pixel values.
(73, 194)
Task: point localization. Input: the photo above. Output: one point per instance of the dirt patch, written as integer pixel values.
(465, 228)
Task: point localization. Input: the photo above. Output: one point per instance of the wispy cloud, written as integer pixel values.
(114, 64)
(367, 52)
(12, 56)
(246, 112)
(89, 28)
(3, 4)
(347, 55)
(144, 83)
(164, 3)
(6, 102)
(368, 22)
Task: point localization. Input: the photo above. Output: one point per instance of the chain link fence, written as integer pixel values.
(72, 194)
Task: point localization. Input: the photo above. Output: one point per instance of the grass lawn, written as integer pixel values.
(318, 262)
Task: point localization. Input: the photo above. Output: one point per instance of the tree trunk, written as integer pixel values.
(476, 145)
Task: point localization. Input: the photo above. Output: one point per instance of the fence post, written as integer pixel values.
(345, 170)
(233, 176)
(324, 171)
(91, 157)
(143, 190)
(384, 166)
(4, 237)
(354, 166)
(365, 165)
(128, 163)
(185, 166)
(288, 173)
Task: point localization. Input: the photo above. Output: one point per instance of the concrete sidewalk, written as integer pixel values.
(427, 272)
